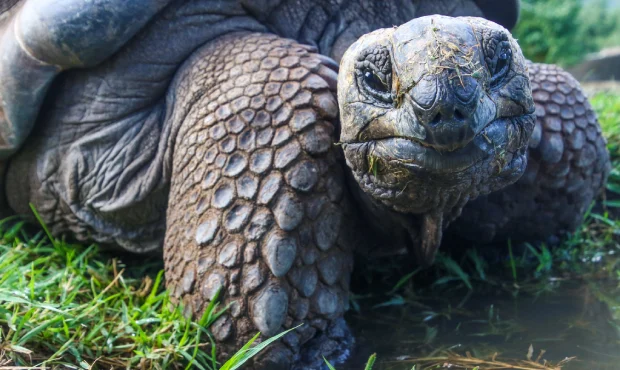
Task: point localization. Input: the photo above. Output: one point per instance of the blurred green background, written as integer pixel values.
(565, 31)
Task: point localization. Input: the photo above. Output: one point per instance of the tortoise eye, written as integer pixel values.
(375, 82)
(503, 60)
(373, 74)
(375, 85)
(500, 64)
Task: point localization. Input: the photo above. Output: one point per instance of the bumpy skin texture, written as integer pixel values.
(258, 206)
(568, 165)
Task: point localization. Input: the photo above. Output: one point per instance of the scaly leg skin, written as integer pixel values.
(568, 165)
(258, 208)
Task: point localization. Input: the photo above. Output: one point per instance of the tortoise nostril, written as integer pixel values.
(436, 119)
(458, 115)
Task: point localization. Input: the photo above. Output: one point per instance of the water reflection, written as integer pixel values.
(579, 319)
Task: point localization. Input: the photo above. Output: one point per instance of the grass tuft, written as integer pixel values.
(62, 306)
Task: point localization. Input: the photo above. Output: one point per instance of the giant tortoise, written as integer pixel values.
(261, 142)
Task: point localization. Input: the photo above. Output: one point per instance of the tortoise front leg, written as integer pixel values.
(258, 205)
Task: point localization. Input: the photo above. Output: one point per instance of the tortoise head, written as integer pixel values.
(434, 113)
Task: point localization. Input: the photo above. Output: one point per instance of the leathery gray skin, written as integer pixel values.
(433, 113)
(210, 127)
(47, 37)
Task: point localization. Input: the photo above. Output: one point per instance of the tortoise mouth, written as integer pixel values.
(411, 154)
(414, 156)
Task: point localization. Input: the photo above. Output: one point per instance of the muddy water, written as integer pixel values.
(579, 319)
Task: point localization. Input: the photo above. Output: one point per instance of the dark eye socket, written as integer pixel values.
(500, 64)
(373, 75)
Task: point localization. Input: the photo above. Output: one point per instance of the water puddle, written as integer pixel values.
(566, 319)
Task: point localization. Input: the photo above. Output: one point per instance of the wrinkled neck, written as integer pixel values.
(393, 233)
(418, 233)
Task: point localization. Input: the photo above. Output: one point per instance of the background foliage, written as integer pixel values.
(565, 31)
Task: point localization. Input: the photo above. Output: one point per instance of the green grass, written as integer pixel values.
(565, 31)
(607, 106)
(63, 304)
